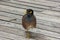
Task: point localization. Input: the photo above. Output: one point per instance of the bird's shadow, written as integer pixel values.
(38, 36)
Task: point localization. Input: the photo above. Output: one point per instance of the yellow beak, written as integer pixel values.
(24, 11)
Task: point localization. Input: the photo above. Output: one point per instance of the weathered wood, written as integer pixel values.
(33, 7)
(41, 26)
(44, 26)
(53, 34)
(46, 12)
(57, 1)
(19, 6)
(12, 36)
(6, 18)
(50, 18)
(42, 2)
(21, 33)
(3, 38)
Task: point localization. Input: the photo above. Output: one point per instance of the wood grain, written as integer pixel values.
(47, 13)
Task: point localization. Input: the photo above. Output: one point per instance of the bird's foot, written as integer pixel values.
(28, 35)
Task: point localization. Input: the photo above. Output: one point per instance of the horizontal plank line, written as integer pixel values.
(20, 25)
(21, 15)
(12, 30)
(47, 14)
(32, 32)
(6, 38)
(43, 24)
(22, 7)
(54, 1)
(6, 18)
(10, 13)
(50, 22)
(29, 3)
(38, 26)
(38, 23)
(13, 6)
(36, 4)
(9, 21)
(31, 6)
(49, 30)
(12, 36)
(22, 31)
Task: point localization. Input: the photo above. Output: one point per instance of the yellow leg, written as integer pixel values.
(28, 34)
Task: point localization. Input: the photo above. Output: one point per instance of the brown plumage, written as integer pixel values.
(29, 21)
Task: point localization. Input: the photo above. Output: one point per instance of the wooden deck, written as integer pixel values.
(47, 13)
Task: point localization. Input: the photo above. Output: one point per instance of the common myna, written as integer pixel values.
(29, 21)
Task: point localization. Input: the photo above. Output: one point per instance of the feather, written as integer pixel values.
(28, 21)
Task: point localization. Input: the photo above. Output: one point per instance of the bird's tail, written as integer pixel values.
(28, 34)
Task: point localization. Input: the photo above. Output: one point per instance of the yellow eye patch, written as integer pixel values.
(25, 12)
(30, 12)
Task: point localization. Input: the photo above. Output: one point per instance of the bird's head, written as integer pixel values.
(29, 11)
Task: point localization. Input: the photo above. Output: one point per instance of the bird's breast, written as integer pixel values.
(29, 19)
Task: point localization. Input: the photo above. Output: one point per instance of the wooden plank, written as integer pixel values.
(43, 2)
(50, 18)
(45, 26)
(11, 30)
(33, 7)
(6, 18)
(20, 6)
(48, 28)
(20, 11)
(2, 38)
(14, 18)
(53, 19)
(10, 15)
(21, 33)
(31, 4)
(57, 1)
(41, 22)
(52, 34)
(12, 36)
(41, 16)
(53, 13)
(11, 9)
(43, 19)
(35, 2)
(11, 24)
(46, 32)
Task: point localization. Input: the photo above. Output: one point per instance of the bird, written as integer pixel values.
(28, 21)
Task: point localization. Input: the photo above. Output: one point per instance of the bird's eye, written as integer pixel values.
(30, 11)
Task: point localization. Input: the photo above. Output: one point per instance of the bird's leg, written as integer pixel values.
(28, 34)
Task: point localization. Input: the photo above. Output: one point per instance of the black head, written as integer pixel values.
(29, 11)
